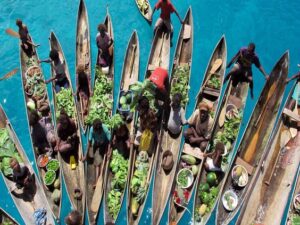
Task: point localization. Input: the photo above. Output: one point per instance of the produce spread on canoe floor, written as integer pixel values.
(147, 139)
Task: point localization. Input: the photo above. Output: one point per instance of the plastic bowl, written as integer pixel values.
(232, 197)
(52, 174)
(242, 178)
(54, 163)
(40, 158)
(190, 177)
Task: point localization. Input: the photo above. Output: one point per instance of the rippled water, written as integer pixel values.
(272, 25)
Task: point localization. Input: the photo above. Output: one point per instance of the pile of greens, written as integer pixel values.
(34, 84)
(119, 168)
(65, 101)
(101, 102)
(180, 83)
(143, 6)
(115, 121)
(214, 82)
(138, 184)
(7, 151)
(7, 221)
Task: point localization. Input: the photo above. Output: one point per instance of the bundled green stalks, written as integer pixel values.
(101, 102)
(65, 101)
(119, 168)
(143, 6)
(214, 82)
(180, 83)
(7, 151)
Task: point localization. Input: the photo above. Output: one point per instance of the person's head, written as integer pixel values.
(102, 28)
(251, 47)
(19, 23)
(64, 119)
(176, 100)
(73, 218)
(143, 104)
(204, 111)
(219, 148)
(45, 110)
(97, 126)
(81, 74)
(33, 118)
(122, 130)
(14, 165)
(54, 55)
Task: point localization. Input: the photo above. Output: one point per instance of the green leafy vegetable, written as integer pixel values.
(214, 82)
(50, 177)
(53, 164)
(65, 101)
(180, 83)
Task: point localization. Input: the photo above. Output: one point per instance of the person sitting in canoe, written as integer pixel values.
(296, 94)
(21, 174)
(83, 90)
(60, 78)
(66, 134)
(121, 140)
(73, 218)
(214, 159)
(147, 117)
(177, 115)
(103, 41)
(200, 122)
(242, 71)
(42, 132)
(165, 16)
(98, 144)
(26, 42)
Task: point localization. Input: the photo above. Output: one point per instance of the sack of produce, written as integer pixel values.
(146, 140)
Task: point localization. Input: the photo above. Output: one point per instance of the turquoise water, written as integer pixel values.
(273, 26)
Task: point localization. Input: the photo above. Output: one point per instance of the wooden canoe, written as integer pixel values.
(292, 212)
(130, 74)
(159, 57)
(73, 178)
(148, 14)
(33, 67)
(162, 178)
(94, 195)
(83, 54)
(212, 97)
(251, 149)
(275, 180)
(26, 201)
(237, 98)
(5, 218)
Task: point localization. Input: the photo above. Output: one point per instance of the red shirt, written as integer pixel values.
(158, 77)
(166, 9)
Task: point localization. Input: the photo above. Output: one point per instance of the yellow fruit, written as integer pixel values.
(202, 209)
(239, 171)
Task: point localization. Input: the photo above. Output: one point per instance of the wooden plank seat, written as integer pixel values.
(248, 167)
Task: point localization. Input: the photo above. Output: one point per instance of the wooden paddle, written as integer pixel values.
(221, 120)
(12, 33)
(9, 74)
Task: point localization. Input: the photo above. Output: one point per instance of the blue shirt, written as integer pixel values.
(99, 138)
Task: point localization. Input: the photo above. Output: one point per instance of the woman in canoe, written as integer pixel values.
(66, 134)
(200, 122)
(60, 78)
(21, 174)
(103, 41)
(83, 90)
(121, 140)
(242, 68)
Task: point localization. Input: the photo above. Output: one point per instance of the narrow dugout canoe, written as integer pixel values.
(83, 56)
(207, 93)
(162, 178)
(130, 74)
(145, 9)
(251, 149)
(74, 178)
(274, 182)
(5, 218)
(27, 200)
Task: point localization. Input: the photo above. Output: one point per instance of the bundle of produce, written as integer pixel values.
(101, 103)
(116, 121)
(119, 168)
(7, 151)
(65, 101)
(143, 6)
(34, 84)
(214, 82)
(180, 83)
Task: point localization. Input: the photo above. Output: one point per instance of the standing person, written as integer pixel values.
(296, 94)
(83, 88)
(166, 8)
(73, 218)
(60, 77)
(242, 68)
(26, 42)
(99, 143)
(104, 42)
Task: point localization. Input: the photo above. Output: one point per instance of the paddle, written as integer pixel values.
(15, 34)
(223, 112)
(9, 74)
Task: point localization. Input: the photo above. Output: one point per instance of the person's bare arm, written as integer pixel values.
(177, 14)
(261, 69)
(152, 14)
(234, 59)
(295, 76)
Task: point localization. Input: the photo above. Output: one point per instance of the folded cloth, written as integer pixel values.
(40, 216)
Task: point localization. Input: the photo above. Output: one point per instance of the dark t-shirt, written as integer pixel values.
(246, 58)
(63, 134)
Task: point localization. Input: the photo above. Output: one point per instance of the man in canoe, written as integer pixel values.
(166, 9)
(21, 174)
(60, 78)
(83, 91)
(98, 144)
(26, 42)
(242, 68)
(200, 122)
(104, 42)
(121, 140)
